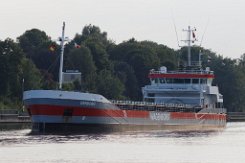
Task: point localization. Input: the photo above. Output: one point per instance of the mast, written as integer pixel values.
(62, 40)
(189, 41)
(189, 45)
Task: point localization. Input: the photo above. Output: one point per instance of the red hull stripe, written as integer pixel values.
(178, 115)
(181, 76)
(78, 111)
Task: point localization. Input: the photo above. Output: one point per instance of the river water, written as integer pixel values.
(226, 146)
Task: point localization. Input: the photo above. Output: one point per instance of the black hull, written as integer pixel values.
(68, 128)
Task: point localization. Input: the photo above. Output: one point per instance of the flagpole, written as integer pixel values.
(189, 40)
(61, 56)
(189, 45)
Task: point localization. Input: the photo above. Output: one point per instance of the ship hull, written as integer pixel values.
(67, 128)
(110, 120)
(50, 113)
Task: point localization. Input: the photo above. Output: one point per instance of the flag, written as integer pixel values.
(76, 45)
(193, 35)
(52, 48)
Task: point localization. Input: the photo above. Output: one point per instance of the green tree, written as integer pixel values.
(10, 68)
(36, 44)
(97, 42)
(81, 59)
(115, 71)
(31, 40)
(140, 57)
(166, 55)
(226, 78)
(100, 55)
(109, 85)
(31, 75)
(127, 76)
(92, 33)
(14, 67)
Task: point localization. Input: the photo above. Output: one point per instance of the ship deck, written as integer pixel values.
(148, 106)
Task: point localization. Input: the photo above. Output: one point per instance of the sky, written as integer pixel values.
(221, 23)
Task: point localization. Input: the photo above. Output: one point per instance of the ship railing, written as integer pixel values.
(152, 106)
(196, 63)
(144, 103)
(183, 72)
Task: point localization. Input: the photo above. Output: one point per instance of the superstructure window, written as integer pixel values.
(209, 81)
(169, 81)
(203, 81)
(156, 80)
(175, 81)
(152, 81)
(162, 80)
(219, 105)
(187, 81)
(195, 81)
(178, 81)
(151, 94)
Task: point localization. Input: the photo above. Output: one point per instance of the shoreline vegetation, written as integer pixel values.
(117, 71)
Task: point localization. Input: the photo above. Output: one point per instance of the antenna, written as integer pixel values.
(175, 31)
(204, 32)
(199, 58)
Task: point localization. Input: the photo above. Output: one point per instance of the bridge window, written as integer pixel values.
(178, 81)
(195, 81)
(203, 81)
(169, 81)
(209, 81)
(175, 81)
(187, 81)
(162, 80)
(219, 105)
(154, 81)
(151, 94)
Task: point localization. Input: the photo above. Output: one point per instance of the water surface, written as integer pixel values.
(146, 146)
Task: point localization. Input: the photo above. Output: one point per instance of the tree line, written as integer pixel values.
(117, 71)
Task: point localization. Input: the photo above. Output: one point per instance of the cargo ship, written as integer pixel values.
(183, 99)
